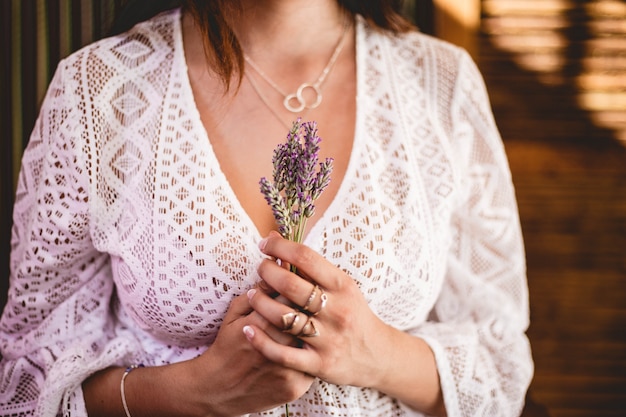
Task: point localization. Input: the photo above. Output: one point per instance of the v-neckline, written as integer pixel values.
(315, 232)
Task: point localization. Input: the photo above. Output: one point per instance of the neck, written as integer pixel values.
(283, 44)
(274, 29)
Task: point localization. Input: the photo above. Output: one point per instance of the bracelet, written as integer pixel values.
(122, 392)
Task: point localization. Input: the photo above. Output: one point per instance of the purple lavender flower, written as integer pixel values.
(295, 182)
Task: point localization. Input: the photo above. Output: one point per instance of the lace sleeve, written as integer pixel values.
(479, 321)
(56, 328)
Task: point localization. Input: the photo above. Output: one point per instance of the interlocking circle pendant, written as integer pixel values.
(298, 98)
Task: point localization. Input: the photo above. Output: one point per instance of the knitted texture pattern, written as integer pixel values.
(128, 243)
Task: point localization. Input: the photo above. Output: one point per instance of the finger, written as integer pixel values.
(316, 301)
(303, 360)
(286, 283)
(283, 317)
(272, 331)
(265, 287)
(279, 261)
(307, 296)
(270, 309)
(309, 263)
(239, 307)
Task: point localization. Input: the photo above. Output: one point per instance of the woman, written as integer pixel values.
(141, 237)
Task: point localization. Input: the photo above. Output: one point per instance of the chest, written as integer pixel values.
(244, 128)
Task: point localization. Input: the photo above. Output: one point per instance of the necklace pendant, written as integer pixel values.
(296, 102)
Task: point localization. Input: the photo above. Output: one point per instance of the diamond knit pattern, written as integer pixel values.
(129, 244)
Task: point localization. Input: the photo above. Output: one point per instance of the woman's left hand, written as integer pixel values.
(344, 342)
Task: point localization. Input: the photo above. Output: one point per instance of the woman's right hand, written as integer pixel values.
(232, 378)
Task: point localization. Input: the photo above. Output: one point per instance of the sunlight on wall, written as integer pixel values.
(458, 21)
(533, 31)
(568, 43)
(603, 81)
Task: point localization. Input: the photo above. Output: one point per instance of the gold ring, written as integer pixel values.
(307, 305)
(290, 320)
(308, 330)
(324, 300)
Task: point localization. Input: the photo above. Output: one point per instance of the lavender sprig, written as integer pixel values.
(295, 182)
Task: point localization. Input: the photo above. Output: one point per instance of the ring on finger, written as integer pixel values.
(309, 301)
(309, 329)
(323, 300)
(290, 320)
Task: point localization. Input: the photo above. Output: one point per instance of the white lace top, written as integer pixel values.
(128, 243)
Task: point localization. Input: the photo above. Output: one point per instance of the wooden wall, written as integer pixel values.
(556, 71)
(35, 35)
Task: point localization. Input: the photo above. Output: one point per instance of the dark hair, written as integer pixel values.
(135, 11)
(221, 46)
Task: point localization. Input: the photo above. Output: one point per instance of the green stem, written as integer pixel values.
(299, 232)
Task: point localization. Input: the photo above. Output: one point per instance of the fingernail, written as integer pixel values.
(249, 332)
(262, 244)
(251, 293)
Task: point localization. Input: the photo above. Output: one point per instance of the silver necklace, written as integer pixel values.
(295, 102)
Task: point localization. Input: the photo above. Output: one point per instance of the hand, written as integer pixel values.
(236, 379)
(351, 348)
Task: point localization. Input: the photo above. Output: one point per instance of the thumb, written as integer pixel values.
(239, 307)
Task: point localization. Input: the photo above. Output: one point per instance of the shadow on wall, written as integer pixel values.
(565, 62)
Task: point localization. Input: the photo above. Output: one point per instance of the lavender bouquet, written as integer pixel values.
(296, 184)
